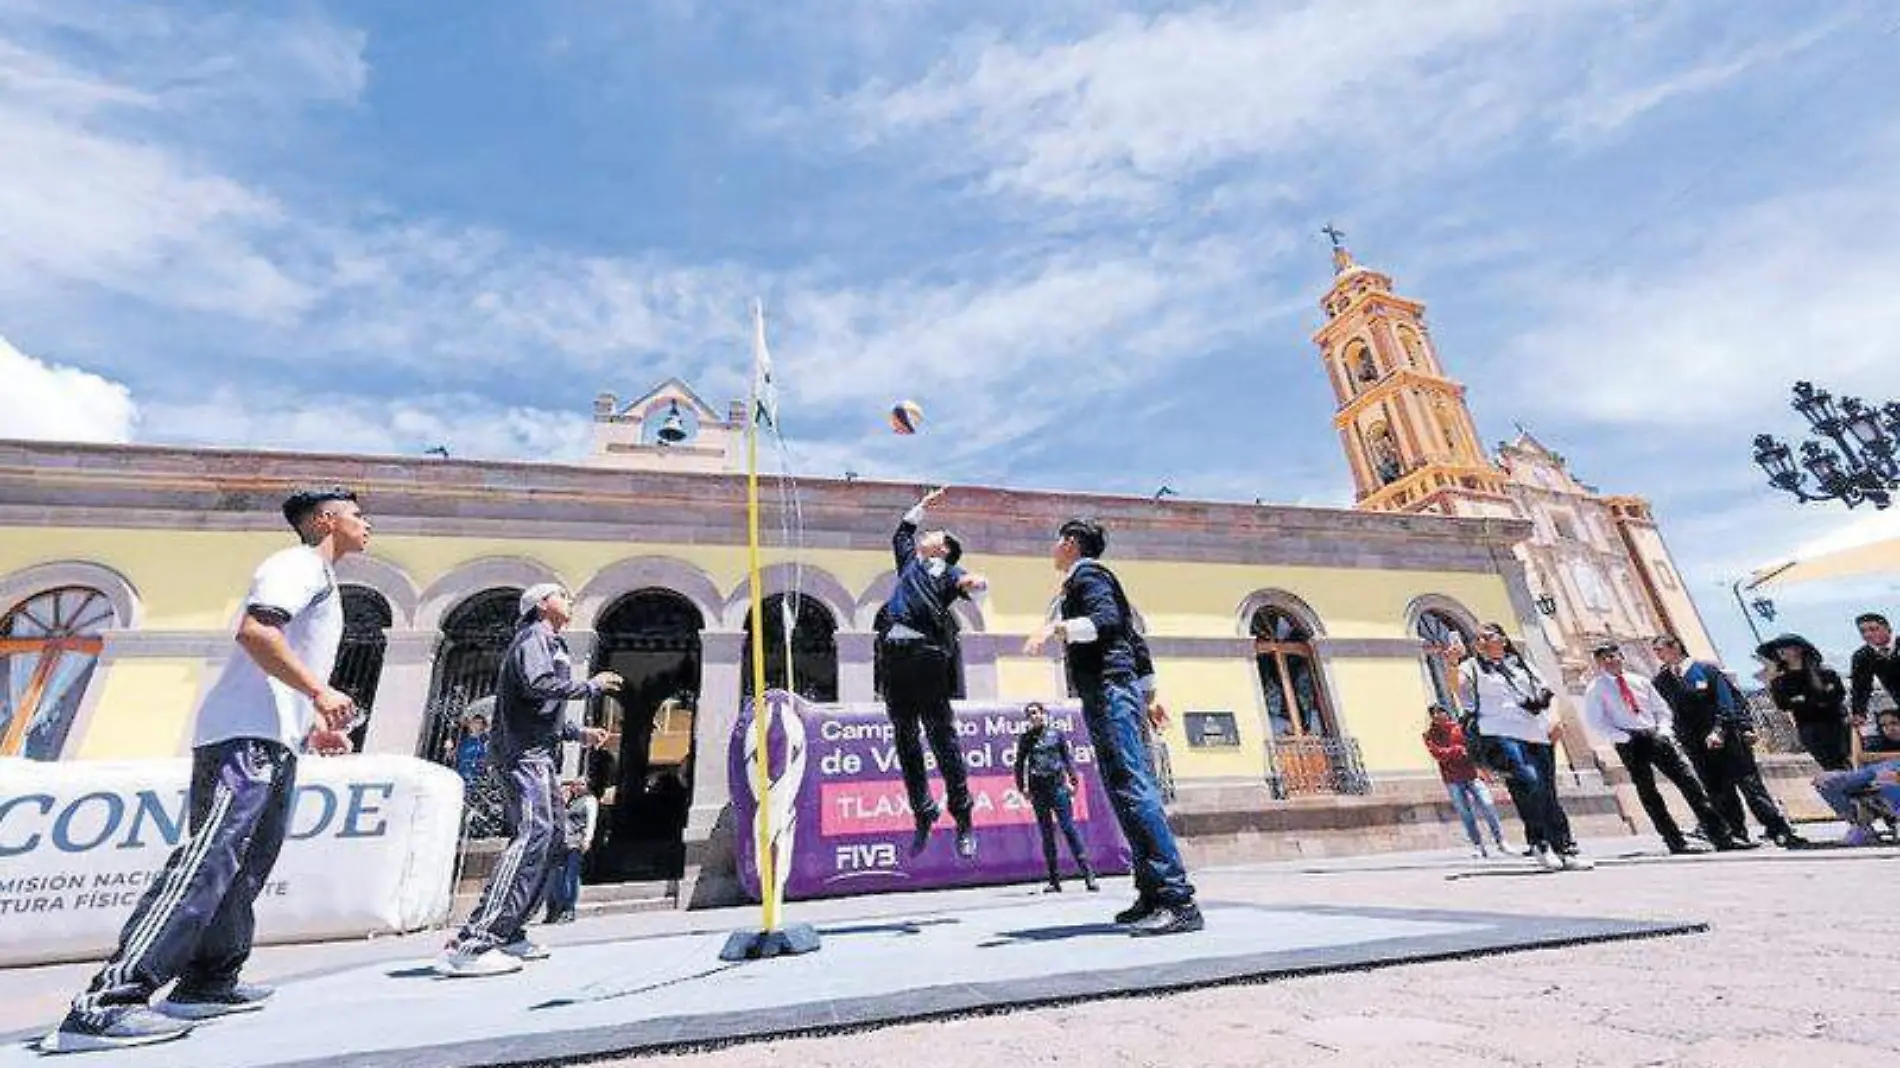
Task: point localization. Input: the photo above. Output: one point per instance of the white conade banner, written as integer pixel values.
(371, 849)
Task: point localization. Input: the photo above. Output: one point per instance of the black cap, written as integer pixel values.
(1606, 648)
(299, 505)
(952, 549)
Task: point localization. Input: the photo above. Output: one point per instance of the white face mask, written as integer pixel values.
(936, 566)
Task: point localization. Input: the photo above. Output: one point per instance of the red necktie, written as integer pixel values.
(1629, 699)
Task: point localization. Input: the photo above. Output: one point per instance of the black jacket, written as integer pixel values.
(1700, 699)
(532, 693)
(1044, 760)
(1869, 667)
(921, 599)
(1797, 694)
(1118, 653)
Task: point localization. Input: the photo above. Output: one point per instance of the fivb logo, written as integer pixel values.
(782, 794)
(107, 819)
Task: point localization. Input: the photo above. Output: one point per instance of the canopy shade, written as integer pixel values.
(1869, 546)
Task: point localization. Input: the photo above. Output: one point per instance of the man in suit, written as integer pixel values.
(918, 646)
(1717, 735)
(1626, 711)
(1876, 661)
(1108, 664)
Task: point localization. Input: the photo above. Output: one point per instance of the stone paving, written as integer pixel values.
(1796, 968)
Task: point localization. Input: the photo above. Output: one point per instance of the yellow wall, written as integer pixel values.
(195, 580)
(144, 709)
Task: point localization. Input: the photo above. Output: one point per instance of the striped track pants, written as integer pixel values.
(515, 887)
(195, 921)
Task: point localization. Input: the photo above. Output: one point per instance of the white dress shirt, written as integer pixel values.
(1610, 718)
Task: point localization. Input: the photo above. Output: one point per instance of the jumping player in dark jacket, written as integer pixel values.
(918, 646)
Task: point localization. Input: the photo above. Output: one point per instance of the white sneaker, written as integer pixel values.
(1574, 863)
(1480, 853)
(467, 963)
(522, 949)
(1548, 860)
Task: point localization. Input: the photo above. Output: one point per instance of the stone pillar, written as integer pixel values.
(719, 695)
(857, 676)
(399, 720)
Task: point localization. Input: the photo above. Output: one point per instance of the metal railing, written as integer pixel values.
(1774, 729)
(1311, 766)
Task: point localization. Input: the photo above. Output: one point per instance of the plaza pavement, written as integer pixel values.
(1795, 967)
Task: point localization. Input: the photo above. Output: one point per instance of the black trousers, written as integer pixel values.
(195, 921)
(1055, 809)
(1645, 755)
(917, 687)
(1828, 743)
(1733, 780)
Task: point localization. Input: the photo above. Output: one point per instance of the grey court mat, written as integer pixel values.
(653, 993)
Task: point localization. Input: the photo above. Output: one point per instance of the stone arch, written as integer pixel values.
(1448, 607)
(127, 609)
(969, 614)
(635, 573)
(1286, 601)
(386, 578)
(472, 578)
(818, 584)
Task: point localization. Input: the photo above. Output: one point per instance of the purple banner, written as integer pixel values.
(842, 821)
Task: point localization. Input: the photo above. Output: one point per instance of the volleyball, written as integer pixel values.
(906, 417)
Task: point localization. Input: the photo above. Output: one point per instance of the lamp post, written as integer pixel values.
(1762, 606)
(1860, 466)
(1547, 605)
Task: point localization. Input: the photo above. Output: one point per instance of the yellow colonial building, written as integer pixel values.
(1287, 639)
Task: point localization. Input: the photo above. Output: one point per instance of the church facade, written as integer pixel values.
(1598, 565)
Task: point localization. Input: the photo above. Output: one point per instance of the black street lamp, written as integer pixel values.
(1861, 466)
(1764, 608)
(1547, 605)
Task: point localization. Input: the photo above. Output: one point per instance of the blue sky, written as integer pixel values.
(1083, 235)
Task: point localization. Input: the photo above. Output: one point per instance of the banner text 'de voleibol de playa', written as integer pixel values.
(851, 820)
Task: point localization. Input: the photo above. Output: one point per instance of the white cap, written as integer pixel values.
(532, 597)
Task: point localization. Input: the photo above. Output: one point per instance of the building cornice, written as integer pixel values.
(50, 485)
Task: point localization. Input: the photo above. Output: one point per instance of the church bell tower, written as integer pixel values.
(1408, 436)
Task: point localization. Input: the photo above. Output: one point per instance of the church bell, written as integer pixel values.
(672, 428)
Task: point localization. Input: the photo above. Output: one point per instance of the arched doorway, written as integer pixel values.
(651, 639)
(475, 637)
(1439, 632)
(359, 657)
(49, 645)
(814, 649)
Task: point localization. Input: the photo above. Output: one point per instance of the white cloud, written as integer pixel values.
(468, 426)
(104, 183)
(53, 402)
(1798, 286)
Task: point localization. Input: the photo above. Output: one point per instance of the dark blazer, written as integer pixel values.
(1865, 669)
(1118, 653)
(1700, 699)
(1798, 695)
(921, 600)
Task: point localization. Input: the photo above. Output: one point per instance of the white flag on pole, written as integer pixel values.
(764, 389)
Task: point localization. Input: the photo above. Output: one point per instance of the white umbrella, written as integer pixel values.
(1868, 546)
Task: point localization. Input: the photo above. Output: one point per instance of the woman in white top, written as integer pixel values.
(1512, 708)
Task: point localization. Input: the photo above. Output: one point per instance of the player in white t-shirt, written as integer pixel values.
(194, 923)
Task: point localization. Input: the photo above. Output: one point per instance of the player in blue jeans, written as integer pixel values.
(1113, 675)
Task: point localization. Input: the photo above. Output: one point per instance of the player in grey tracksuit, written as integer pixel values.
(531, 697)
